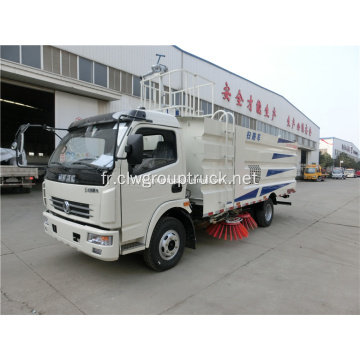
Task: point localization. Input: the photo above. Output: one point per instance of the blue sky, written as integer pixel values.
(321, 81)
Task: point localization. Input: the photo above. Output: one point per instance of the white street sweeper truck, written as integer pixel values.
(139, 180)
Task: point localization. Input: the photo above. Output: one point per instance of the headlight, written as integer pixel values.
(100, 240)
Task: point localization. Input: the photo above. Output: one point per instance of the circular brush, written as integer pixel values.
(231, 228)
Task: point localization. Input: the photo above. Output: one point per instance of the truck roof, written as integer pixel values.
(156, 118)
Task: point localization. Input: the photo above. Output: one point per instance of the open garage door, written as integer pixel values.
(22, 105)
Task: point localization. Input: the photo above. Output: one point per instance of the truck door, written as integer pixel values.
(149, 186)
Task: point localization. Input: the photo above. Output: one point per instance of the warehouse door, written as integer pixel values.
(23, 105)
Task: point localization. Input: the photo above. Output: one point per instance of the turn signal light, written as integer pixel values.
(100, 240)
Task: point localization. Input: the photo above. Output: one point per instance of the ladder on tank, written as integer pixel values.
(178, 92)
(229, 144)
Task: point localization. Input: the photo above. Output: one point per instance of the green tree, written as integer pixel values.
(347, 162)
(325, 160)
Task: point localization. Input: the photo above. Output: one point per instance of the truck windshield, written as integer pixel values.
(89, 146)
(337, 171)
(310, 170)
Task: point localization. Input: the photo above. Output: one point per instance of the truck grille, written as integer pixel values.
(71, 207)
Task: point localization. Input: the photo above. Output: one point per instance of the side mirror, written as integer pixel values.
(18, 146)
(135, 149)
(20, 142)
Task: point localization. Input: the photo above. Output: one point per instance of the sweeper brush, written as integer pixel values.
(248, 221)
(230, 228)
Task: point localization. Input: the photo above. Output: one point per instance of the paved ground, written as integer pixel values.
(306, 262)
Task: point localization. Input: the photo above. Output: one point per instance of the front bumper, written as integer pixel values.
(75, 235)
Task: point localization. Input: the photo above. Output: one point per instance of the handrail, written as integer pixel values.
(227, 115)
(178, 90)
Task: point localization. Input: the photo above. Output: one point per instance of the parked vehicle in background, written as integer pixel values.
(12, 176)
(338, 173)
(314, 173)
(357, 174)
(350, 173)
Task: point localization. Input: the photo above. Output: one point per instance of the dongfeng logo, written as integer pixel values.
(67, 178)
(66, 207)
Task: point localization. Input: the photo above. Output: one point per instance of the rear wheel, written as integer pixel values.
(265, 213)
(167, 244)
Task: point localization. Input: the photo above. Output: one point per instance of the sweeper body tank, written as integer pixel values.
(233, 167)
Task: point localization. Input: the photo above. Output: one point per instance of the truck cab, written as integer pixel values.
(338, 173)
(104, 186)
(314, 173)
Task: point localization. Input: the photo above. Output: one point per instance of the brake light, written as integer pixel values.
(31, 178)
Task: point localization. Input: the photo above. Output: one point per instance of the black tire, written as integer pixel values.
(264, 213)
(167, 244)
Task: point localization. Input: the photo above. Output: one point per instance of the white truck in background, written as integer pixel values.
(350, 173)
(12, 176)
(138, 180)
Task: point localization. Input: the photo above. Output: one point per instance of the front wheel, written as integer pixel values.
(265, 213)
(167, 244)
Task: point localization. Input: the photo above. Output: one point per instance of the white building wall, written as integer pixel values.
(313, 157)
(70, 107)
(136, 60)
(327, 145)
(284, 109)
(334, 146)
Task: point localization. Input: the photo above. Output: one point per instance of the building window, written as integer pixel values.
(260, 126)
(237, 119)
(245, 121)
(136, 86)
(68, 64)
(206, 107)
(114, 79)
(30, 55)
(100, 74)
(253, 124)
(126, 83)
(85, 70)
(51, 59)
(10, 52)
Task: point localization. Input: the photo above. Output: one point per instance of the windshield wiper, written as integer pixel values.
(58, 163)
(89, 165)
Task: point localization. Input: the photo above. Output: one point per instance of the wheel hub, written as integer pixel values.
(268, 212)
(169, 244)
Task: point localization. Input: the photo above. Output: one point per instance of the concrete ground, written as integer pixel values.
(306, 262)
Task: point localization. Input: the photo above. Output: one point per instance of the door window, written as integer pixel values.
(159, 150)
